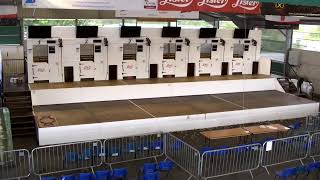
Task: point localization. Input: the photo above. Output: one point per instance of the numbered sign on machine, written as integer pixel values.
(205, 66)
(87, 69)
(129, 68)
(40, 71)
(237, 65)
(169, 67)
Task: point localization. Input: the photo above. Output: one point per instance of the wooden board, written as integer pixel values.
(225, 133)
(263, 129)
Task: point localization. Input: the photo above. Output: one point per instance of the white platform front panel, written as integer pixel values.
(141, 91)
(67, 134)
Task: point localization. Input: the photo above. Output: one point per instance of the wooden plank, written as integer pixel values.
(225, 133)
(264, 129)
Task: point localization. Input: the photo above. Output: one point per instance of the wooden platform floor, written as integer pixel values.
(39, 86)
(97, 112)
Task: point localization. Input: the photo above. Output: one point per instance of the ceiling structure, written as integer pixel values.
(295, 2)
(242, 21)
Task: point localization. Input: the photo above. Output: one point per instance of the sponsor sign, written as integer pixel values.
(226, 6)
(230, 6)
(91, 4)
(177, 5)
(158, 14)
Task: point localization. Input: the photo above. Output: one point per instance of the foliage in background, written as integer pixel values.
(49, 22)
(273, 41)
(227, 25)
(194, 24)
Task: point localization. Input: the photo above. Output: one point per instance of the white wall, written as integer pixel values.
(11, 52)
(307, 65)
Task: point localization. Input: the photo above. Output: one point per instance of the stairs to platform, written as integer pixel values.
(288, 85)
(21, 113)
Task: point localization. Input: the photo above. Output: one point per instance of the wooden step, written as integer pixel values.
(17, 98)
(18, 105)
(17, 93)
(23, 132)
(29, 123)
(28, 114)
(20, 112)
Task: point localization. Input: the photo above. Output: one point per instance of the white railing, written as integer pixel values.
(284, 150)
(133, 148)
(229, 161)
(214, 163)
(66, 157)
(183, 154)
(14, 164)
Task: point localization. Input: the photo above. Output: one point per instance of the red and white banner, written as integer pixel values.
(226, 6)
(177, 5)
(8, 12)
(283, 19)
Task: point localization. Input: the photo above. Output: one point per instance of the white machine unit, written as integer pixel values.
(210, 56)
(174, 52)
(128, 53)
(207, 52)
(84, 59)
(92, 59)
(135, 58)
(44, 60)
(132, 52)
(246, 49)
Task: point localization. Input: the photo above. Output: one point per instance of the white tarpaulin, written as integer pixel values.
(8, 12)
(158, 14)
(92, 4)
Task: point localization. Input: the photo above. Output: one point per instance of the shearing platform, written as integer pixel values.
(101, 120)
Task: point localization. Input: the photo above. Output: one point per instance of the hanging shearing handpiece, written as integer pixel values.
(148, 41)
(106, 42)
(187, 41)
(222, 42)
(60, 42)
(254, 42)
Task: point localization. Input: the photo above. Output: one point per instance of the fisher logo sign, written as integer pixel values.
(176, 5)
(229, 6)
(225, 6)
(213, 3)
(249, 5)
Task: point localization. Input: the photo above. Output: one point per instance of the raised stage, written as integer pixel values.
(181, 109)
(93, 91)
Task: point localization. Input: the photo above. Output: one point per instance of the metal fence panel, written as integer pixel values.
(314, 145)
(313, 123)
(285, 150)
(184, 155)
(13, 66)
(233, 160)
(67, 157)
(133, 148)
(14, 164)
